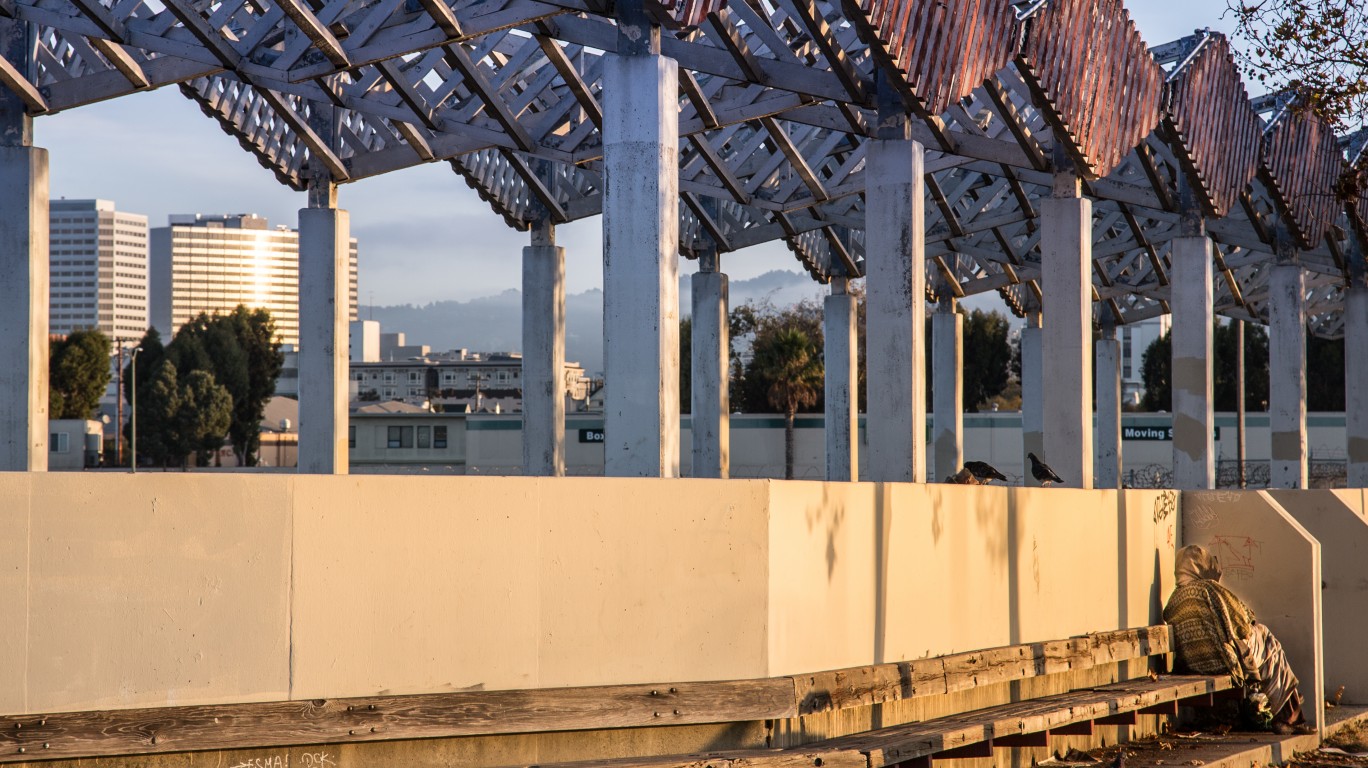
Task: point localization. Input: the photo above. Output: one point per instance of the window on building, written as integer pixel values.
(424, 437)
(351, 437)
(415, 376)
(439, 437)
(58, 442)
(400, 437)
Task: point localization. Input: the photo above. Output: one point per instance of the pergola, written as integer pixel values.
(936, 149)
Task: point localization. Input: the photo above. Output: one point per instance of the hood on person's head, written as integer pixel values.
(1194, 562)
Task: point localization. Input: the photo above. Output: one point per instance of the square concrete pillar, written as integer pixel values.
(543, 362)
(1066, 282)
(23, 304)
(1287, 376)
(947, 394)
(1355, 374)
(324, 312)
(23, 270)
(641, 265)
(1108, 395)
(1194, 420)
(710, 405)
(1032, 392)
(895, 317)
(842, 393)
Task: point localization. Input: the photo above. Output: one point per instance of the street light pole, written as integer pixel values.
(133, 412)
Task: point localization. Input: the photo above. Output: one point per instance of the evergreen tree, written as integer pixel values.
(254, 331)
(78, 374)
(203, 412)
(1158, 364)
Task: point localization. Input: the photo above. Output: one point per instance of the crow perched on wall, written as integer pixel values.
(984, 472)
(1042, 472)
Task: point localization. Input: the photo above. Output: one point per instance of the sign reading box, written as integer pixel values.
(591, 435)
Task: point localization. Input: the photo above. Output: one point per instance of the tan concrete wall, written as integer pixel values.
(15, 498)
(186, 588)
(1335, 518)
(1274, 564)
(888, 572)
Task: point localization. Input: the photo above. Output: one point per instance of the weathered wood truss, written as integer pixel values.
(776, 103)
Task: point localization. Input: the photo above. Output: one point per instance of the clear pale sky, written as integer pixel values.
(425, 236)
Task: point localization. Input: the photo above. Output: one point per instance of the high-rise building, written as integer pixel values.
(97, 269)
(203, 263)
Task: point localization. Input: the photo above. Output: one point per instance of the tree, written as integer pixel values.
(788, 361)
(987, 358)
(1158, 363)
(158, 403)
(78, 374)
(239, 348)
(686, 365)
(148, 364)
(1156, 367)
(1325, 390)
(255, 333)
(750, 325)
(204, 409)
(1318, 48)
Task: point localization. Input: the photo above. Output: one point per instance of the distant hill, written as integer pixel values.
(494, 323)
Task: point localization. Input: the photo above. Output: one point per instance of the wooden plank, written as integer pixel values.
(1038, 739)
(383, 718)
(862, 686)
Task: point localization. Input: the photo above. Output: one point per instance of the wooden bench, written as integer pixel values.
(346, 721)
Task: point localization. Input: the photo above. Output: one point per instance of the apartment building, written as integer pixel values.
(97, 269)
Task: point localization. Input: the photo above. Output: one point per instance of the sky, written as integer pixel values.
(424, 235)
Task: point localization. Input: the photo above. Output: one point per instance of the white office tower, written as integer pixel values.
(207, 263)
(97, 262)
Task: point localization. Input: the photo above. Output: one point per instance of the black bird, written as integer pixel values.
(984, 472)
(963, 477)
(1042, 472)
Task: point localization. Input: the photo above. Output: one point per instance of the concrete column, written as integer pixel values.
(895, 269)
(1108, 396)
(947, 394)
(1032, 392)
(1356, 373)
(543, 362)
(1287, 375)
(710, 405)
(324, 312)
(842, 385)
(1194, 420)
(1066, 282)
(641, 262)
(23, 273)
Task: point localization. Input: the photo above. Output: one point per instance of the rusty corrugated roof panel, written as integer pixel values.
(1302, 162)
(943, 49)
(1215, 130)
(1095, 78)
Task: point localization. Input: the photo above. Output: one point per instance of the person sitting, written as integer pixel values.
(1215, 633)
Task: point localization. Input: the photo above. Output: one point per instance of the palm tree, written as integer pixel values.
(788, 360)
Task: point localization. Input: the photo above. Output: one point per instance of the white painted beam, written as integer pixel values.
(1032, 392)
(23, 274)
(1066, 281)
(1193, 382)
(543, 362)
(709, 396)
(1355, 376)
(842, 394)
(1287, 376)
(641, 265)
(947, 394)
(324, 311)
(1107, 472)
(895, 269)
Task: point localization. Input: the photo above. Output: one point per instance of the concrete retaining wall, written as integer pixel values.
(160, 589)
(1274, 564)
